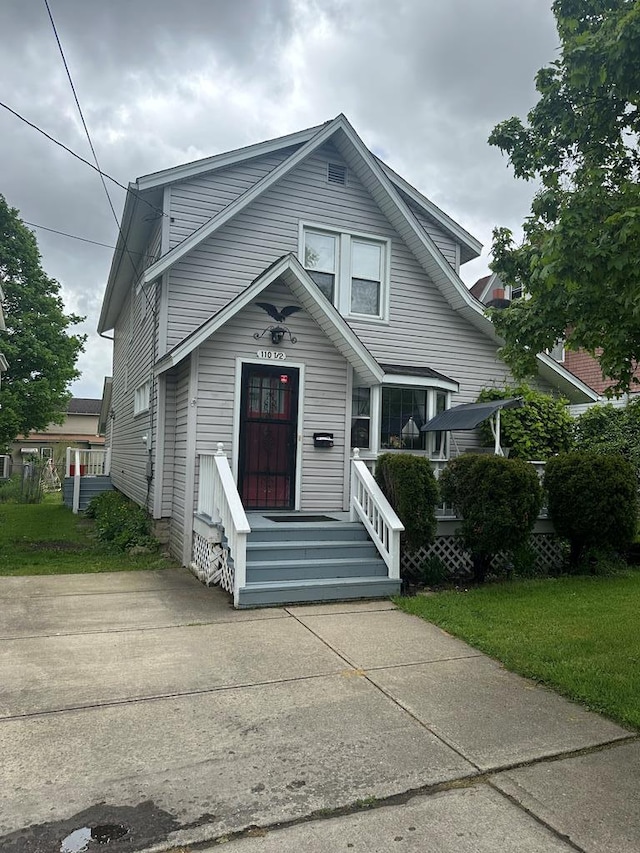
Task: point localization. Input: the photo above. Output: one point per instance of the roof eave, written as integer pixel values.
(186, 171)
(566, 382)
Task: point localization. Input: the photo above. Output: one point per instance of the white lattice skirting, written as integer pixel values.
(210, 563)
(547, 548)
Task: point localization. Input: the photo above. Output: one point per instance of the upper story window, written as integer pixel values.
(351, 270)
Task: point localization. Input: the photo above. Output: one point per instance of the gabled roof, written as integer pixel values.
(83, 406)
(469, 245)
(383, 186)
(290, 271)
(485, 286)
(148, 188)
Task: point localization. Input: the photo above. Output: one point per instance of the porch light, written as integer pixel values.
(277, 334)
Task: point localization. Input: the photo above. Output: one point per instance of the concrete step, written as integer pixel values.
(308, 570)
(310, 550)
(271, 593)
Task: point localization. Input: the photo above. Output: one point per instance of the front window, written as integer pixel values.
(350, 270)
(404, 411)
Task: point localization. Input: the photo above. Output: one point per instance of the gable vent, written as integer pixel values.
(336, 174)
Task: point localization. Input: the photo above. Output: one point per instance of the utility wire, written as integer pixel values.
(73, 236)
(82, 159)
(93, 150)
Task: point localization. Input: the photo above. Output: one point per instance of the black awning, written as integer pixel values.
(469, 415)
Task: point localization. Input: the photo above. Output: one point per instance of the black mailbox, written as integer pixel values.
(323, 439)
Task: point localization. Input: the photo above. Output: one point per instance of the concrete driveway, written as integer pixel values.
(142, 706)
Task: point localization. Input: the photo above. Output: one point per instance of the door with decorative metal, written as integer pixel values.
(268, 431)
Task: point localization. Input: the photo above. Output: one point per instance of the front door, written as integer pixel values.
(268, 431)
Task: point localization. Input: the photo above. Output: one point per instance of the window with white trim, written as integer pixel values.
(351, 270)
(141, 397)
(395, 421)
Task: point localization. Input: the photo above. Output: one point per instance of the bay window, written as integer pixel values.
(390, 417)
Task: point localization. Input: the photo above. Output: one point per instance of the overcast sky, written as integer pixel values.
(161, 83)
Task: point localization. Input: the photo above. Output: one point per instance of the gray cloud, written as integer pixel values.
(422, 81)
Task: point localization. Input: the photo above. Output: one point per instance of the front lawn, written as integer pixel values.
(578, 635)
(47, 539)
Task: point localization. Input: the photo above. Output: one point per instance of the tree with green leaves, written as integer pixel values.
(578, 261)
(40, 353)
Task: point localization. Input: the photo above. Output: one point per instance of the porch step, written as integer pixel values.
(271, 593)
(303, 570)
(312, 549)
(303, 531)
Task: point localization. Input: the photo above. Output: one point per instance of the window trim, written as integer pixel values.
(432, 389)
(142, 398)
(343, 277)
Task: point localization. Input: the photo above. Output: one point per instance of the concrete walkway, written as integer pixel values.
(142, 700)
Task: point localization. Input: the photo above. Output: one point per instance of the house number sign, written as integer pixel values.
(272, 354)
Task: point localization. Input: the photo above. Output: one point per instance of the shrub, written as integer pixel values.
(593, 502)
(539, 429)
(499, 500)
(410, 486)
(11, 490)
(606, 429)
(120, 521)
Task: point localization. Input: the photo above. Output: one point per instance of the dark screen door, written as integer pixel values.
(268, 430)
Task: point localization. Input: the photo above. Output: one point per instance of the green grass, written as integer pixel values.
(578, 635)
(47, 539)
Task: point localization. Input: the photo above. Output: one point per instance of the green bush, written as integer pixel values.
(593, 502)
(499, 501)
(541, 428)
(410, 486)
(606, 429)
(120, 521)
(11, 490)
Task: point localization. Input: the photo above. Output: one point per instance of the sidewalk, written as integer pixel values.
(141, 699)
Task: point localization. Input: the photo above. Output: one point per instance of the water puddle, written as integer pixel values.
(86, 837)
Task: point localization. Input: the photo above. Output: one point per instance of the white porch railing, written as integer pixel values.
(369, 505)
(218, 498)
(87, 463)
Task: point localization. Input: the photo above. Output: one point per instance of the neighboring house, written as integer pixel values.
(492, 293)
(79, 429)
(293, 299)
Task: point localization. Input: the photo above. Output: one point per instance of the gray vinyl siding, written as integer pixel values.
(174, 488)
(423, 329)
(132, 362)
(195, 202)
(324, 396)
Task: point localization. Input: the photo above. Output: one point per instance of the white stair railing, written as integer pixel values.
(225, 506)
(369, 505)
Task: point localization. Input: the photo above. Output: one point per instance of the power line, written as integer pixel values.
(73, 236)
(93, 151)
(78, 157)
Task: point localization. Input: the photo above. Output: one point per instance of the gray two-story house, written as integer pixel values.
(290, 301)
